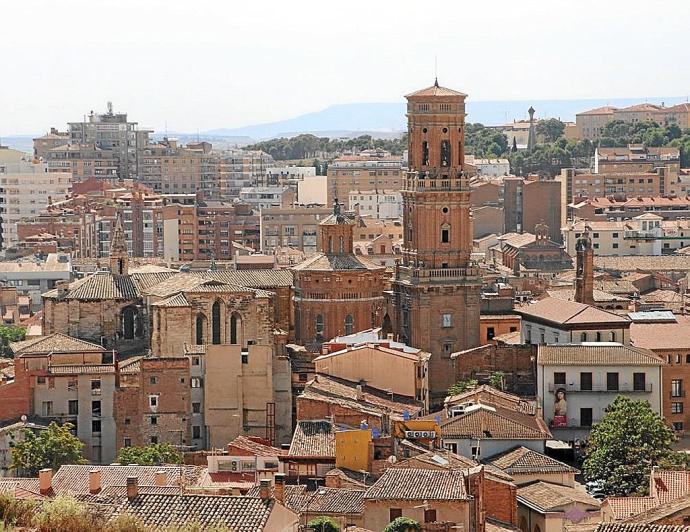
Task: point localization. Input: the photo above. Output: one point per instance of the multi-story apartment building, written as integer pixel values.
(52, 139)
(489, 167)
(169, 168)
(83, 161)
(647, 234)
(590, 124)
(368, 171)
(575, 383)
(529, 202)
(634, 171)
(295, 227)
(612, 208)
(33, 278)
(286, 175)
(207, 229)
(268, 197)
(26, 187)
(377, 203)
(112, 131)
(241, 168)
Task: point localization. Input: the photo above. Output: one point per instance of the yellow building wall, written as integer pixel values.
(352, 449)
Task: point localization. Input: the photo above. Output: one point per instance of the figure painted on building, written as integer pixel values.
(560, 409)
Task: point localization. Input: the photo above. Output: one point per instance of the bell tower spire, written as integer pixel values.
(119, 256)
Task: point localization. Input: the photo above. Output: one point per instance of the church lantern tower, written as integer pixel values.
(584, 271)
(435, 298)
(119, 256)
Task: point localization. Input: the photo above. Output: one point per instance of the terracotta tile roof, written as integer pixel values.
(648, 263)
(339, 501)
(54, 343)
(182, 282)
(256, 448)
(75, 478)
(240, 514)
(640, 527)
(323, 262)
(517, 240)
(313, 438)
(670, 485)
(178, 300)
(662, 512)
(596, 354)
(522, 460)
(99, 285)
(435, 90)
(489, 422)
(130, 365)
(566, 313)
(546, 497)
(494, 525)
(606, 110)
(344, 393)
(600, 296)
(418, 484)
(444, 459)
(253, 278)
(662, 335)
(489, 395)
(626, 507)
(143, 281)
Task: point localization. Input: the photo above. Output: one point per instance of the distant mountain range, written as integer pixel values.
(382, 120)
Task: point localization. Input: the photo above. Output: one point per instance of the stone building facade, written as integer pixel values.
(336, 291)
(434, 303)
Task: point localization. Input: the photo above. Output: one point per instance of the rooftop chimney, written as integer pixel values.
(160, 478)
(132, 487)
(45, 481)
(94, 481)
(279, 491)
(265, 489)
(359, 393)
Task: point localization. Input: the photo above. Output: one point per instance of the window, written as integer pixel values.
(394, 513)
(153, 380)
(490, 333)
(676, 408)
(196, 382)
(215, 323)
(154, 420)
(96, 426)
(447, 348)
(233, 328)
(128, 421)
(196, 408)
(612, 381)
(153, 401)
(445, 236)
(72, 385)
(196, 432)
(447, 320)
(476, 452)
(677, 426)
(40, 380)
(196, 361)
(687, 359)
(95, 408)
(429, 516)
(199, 329)
(612, 336)
(128, 323)
(319, 325)
(154, 440)
(677, 388)
(585, 417)
(73, 407)
(583, 337)
(425, 157)
(47, 408)
(598, 336)
(586, 381)
(639, 384)
(244, 354)
(96, 387)
(128, 442)
(559, 378)
(349, 324)
(303, 377)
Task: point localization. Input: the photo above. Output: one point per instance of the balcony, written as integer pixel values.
(446, 184)
(601, 388)
(416, 275)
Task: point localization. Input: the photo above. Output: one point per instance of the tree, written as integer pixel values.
(626, 444)
(9, 334)
(497, 380)
(154, 454)
(323, 524)
(462, 386)
(551, 129)
(52, 447)
(402, 524)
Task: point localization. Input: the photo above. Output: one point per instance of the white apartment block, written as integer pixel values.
(25, 189)
(647, 234)
(385, 204)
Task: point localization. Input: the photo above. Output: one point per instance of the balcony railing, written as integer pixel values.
(601, 388)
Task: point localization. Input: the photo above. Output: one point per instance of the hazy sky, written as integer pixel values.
(205, 64)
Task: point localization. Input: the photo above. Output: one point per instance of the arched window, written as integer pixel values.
(445, 153)
(235, 324)
(330, 244)
(386, 326)
(319, 325)
(215, 323)
(445, 233)
(342, 245)
(583, 337)
(349, 324)
(200, 329)
(128, 314)
(425, 153)
(612, 336)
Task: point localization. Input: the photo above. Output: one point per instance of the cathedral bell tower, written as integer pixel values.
(435, 300)
(119, 257)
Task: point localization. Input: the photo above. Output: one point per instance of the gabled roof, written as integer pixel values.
(596, 354)
(489, 395)
(521, 460)
(567, 313)
(674, 335)
(495, 423)
(606, 110)
(313, 439)
(418, 484)
(444, 459)
(546, 497)
(240, 514)
(54, 343)
(255, 448)
(99, 285)
(626, 507)
(178, 300)
(334, 501)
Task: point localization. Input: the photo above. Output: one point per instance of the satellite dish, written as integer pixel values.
(24, 418)
(392, 459)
